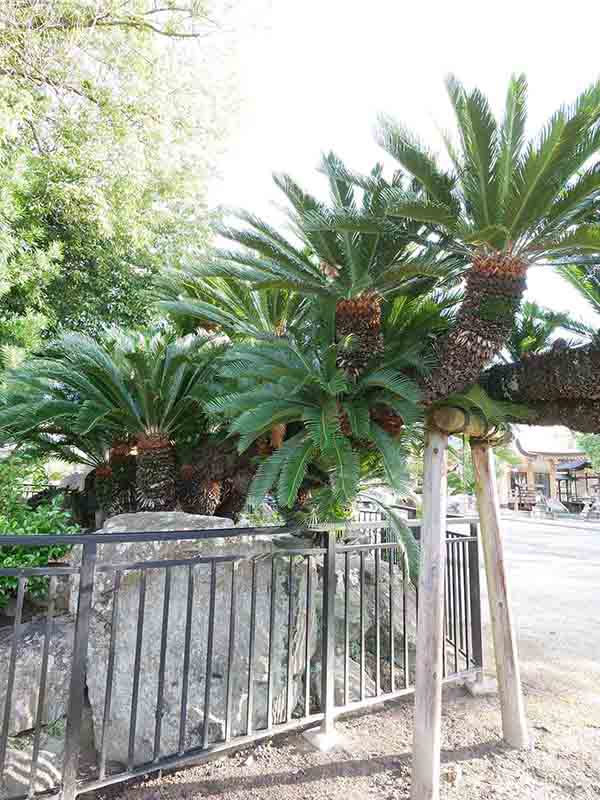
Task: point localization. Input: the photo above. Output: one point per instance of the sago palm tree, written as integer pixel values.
(137, 390)
(344, 254)
(331, 421)
(504, 204)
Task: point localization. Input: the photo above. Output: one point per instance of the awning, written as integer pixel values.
(573, 466)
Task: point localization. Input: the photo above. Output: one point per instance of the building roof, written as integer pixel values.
(574, 465)
(552, 440)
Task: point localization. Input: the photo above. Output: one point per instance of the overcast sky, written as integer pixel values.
(315, 74)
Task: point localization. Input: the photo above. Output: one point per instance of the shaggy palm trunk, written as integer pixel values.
(123, 466)
(360, 319)
(156, 474)
(494, 288)
(103, 487)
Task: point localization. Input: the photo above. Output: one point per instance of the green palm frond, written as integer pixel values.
(586, 281)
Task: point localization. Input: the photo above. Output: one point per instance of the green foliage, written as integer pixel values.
(532, 199)
(586, 280)
(347, 247)
(296, 381)
(590, 444)
(535, 328)
(103, 177)
(461, 475)
(17, 474)
(81, 394)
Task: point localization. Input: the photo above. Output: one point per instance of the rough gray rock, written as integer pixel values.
(353, 681)
(250, 549)
(28, 672)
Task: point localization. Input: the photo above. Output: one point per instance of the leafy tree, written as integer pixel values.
(590, 444)
(349, 257)
(586, 280)
(106, 138)
(329, 419)
(17, 473)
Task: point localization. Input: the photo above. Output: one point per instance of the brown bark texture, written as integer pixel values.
(561, 387)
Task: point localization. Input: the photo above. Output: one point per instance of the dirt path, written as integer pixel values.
(374, 761)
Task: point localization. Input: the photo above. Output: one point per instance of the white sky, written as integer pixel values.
(316, 73)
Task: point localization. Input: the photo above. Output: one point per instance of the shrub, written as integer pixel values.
(16, 517)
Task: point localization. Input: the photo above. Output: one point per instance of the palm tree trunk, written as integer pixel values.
(123, 466)
(156, 474)
(494, 287)
(561, 387)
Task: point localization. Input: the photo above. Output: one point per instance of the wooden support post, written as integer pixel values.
(514, 723)
(430, 629)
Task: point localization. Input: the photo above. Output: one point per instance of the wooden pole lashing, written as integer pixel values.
(514, 723)
(430, 629)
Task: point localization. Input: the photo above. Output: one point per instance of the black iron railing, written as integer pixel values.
(239, 646)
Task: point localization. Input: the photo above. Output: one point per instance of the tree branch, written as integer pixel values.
(561, 387)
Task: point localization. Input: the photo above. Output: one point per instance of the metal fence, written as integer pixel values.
(223, 649)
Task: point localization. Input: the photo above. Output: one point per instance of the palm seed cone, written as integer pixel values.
(388, 419)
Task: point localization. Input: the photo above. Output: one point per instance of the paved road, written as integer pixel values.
(554, 579)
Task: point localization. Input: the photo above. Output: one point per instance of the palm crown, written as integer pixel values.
(503, 194)
(504, 205)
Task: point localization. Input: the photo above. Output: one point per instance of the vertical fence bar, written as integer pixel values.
(186, 660)
(464, 546)
(251, 647)
(162, 663)
(404, 632)
(109, 673)
(290, 622)
(346, 628)
(39, 717)
(362, 624)
(10, 682)
(271, 642)
(455, 609)
(231, 652)
(78, 670)
(328, 656)
(209, 653)
(377, 625)
(11, 678)
(459, 587)
(450, 607)
(136, 670)
(475, 598)
(308, 632)
(392, 623)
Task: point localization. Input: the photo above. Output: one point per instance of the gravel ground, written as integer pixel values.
(374, 759)
(560, 662)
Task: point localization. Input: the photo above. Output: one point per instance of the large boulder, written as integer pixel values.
(257, 550)
(28, 672)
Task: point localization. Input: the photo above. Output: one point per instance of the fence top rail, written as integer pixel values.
(45, 540)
